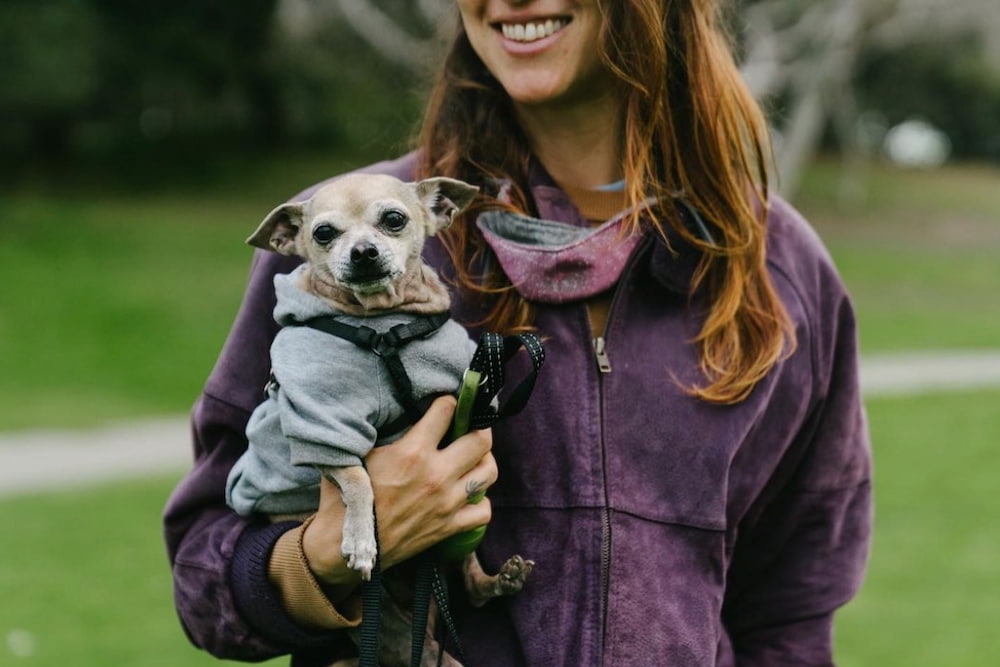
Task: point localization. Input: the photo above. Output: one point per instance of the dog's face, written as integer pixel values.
(363, 231)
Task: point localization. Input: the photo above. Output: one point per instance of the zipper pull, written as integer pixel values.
(603, 363)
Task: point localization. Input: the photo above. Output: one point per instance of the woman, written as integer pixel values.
(692, 474)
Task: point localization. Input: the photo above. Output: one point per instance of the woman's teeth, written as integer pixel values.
(529, 32)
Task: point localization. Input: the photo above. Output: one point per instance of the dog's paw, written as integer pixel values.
(360, 557)
(513, 574)
(360, 553)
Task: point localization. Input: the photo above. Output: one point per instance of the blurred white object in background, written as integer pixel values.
(917, 144)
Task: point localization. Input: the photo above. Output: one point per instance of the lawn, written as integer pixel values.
(932, 597)
(116, 304)
(919, 252)
(84, 579)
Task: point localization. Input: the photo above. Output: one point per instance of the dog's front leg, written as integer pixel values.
(358, 546)
(482, 587)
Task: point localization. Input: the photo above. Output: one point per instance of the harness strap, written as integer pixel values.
(386, 346)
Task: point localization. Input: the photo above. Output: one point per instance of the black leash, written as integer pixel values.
(489, 359)
(371, 610)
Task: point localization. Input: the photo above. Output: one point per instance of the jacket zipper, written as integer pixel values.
(604, 368)
(600, 353)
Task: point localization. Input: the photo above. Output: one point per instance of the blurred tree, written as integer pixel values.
(959, 94)
(49, 73)
(821, 67)
(173, 80)
(113, 75)
(203, 63)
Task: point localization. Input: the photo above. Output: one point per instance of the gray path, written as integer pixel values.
(42, 460)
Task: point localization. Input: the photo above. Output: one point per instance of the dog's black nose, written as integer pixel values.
(363, 253)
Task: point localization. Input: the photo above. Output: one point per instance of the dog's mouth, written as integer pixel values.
(367, 282)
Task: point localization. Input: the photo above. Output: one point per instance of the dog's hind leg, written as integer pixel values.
(482, 587)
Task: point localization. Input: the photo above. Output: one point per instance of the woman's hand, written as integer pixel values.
(421, 496)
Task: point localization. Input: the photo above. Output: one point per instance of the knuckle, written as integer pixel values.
(487, 510)
(434, 482)
(492, 470)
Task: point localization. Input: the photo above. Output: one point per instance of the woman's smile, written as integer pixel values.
(541, 52)
(531, 36)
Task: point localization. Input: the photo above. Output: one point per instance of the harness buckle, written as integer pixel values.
(381, 347)
(367, 337)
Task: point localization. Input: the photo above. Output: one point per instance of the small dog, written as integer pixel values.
(361, 237)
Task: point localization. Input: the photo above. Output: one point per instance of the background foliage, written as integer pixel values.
(142, 91)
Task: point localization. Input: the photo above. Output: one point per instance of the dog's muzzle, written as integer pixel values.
(367, 265)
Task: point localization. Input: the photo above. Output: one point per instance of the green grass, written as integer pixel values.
(932, 595)
(85, 574)
(84, 580)
(116, 305)
(918, 251)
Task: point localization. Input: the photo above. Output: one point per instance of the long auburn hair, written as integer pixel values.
(691, 128)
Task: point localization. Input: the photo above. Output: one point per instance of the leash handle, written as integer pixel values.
(481, 385)
(457, 547)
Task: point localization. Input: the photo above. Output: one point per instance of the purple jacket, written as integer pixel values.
(665, 530)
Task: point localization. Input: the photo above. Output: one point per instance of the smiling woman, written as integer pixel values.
(541, 53)
(691, 476)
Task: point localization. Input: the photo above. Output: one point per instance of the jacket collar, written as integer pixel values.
(670, 262)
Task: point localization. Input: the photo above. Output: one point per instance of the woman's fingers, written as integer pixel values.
(435, 423)
(473, 515)
(473, 484)
(467, 451)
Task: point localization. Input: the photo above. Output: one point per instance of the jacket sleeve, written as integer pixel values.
(801, 552)
(222, 594)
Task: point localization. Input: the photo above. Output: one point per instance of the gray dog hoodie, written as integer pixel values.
(330, 400)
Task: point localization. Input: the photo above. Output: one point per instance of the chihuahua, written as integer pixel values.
(361, 237)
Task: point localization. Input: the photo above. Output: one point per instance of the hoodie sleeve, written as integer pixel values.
(329, 399)
(803, 552)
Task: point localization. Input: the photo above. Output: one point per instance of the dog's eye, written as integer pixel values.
(394, 221)
(324, 234)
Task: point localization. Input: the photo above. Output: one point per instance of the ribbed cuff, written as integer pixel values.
(258, 600)
(303, 596)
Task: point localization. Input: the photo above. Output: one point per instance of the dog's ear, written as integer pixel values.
(444, 198)
(278, 230)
